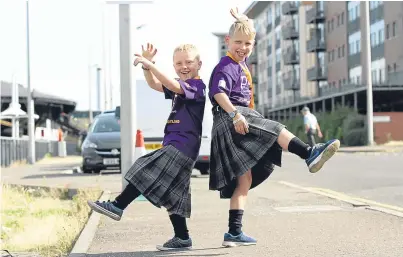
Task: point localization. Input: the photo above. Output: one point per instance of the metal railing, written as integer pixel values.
(16, 150)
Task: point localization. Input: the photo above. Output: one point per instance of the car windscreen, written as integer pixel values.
(105, 124)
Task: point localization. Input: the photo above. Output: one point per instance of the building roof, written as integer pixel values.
(256, 8)
(219, 34)
(7, 89)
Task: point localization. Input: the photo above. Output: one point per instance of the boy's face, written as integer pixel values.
(240, 45)
(186, 64)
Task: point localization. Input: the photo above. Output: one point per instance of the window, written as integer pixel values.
(394, 67)
(377, 31)
(329, 27)
(332, 24)
(277, 35)
(394, 29)
(344, 81)
(342, 18)
(278, 10)
(373, 39)
(329, 56)
(278, 55)
(338, 20)
(353, 10)
(355, 75)
(387, 31)
(269, 16)
(354, 42)
(342, 51)
(339, 52)
(105, 124)
(378, 70)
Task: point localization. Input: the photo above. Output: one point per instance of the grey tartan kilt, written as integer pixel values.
(163, 178)
(233, 154)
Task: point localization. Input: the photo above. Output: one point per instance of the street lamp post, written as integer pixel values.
(370, 107)
(127, 89)
(30, 103)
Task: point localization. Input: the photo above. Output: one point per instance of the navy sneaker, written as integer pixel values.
(106, 208)
(321, 153)
(239, 240)
(176, 243)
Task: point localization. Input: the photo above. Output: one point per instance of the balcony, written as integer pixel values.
(315, 15)
(290, 8)
(269, 27)
(253, 58)
(277, 21)
(269, 49)
(290, 56)
(317, 73)
(291, 82)
(254, 80)
(317, 42)
(290, 32)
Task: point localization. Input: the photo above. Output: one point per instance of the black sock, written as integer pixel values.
(235, 222)
(296, 146)
(180, 227)
(126, 197)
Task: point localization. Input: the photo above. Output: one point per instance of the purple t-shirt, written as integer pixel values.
(184, 126)
(228, 77)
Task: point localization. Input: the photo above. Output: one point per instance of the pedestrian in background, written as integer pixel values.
(311, 125)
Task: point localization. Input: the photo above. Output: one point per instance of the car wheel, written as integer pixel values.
(97, 171)
(86, 170)
(203, 168)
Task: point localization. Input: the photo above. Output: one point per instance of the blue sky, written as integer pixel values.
(68, 36)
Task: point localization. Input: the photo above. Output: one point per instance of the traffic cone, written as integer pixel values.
(140, 147)
(138, 152)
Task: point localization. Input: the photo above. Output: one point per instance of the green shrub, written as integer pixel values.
(343, 123)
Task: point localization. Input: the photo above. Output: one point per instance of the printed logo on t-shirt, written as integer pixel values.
(222, 84)
(244, 86)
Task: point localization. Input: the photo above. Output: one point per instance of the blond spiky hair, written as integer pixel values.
(242, 24)
(187, 48)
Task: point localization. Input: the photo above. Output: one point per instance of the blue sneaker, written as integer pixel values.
(239, 240)
(107, 209)
(176, 244)
(321, 153)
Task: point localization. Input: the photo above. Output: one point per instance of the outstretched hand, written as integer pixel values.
(141, 59)
(149, 52)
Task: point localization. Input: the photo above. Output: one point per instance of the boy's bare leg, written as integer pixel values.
(238, 199)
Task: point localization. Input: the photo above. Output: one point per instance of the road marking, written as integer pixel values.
(355, 201)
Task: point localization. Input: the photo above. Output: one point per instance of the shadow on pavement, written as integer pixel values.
(64, 175)
(192, 253)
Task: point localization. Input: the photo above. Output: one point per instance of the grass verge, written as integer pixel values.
(42, 221)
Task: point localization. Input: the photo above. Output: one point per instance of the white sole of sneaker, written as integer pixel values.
(161, 248)
(324, 156)
(235, 244)
(100, 210)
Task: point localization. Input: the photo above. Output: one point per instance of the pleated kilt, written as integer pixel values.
(233, 154)
(163, 178)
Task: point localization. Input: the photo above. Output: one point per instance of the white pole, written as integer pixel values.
(128, 93)
(30, 102)
(90, 116)
(370, 107)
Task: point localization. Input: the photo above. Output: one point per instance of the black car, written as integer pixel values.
(101, 147)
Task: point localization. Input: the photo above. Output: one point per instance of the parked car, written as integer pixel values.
(101, 147)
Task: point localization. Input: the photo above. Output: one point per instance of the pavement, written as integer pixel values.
(287, 221)
(354, 207)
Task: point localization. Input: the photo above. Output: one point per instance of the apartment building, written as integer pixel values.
(314, 54)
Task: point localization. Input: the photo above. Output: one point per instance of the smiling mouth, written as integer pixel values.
(240, 54)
